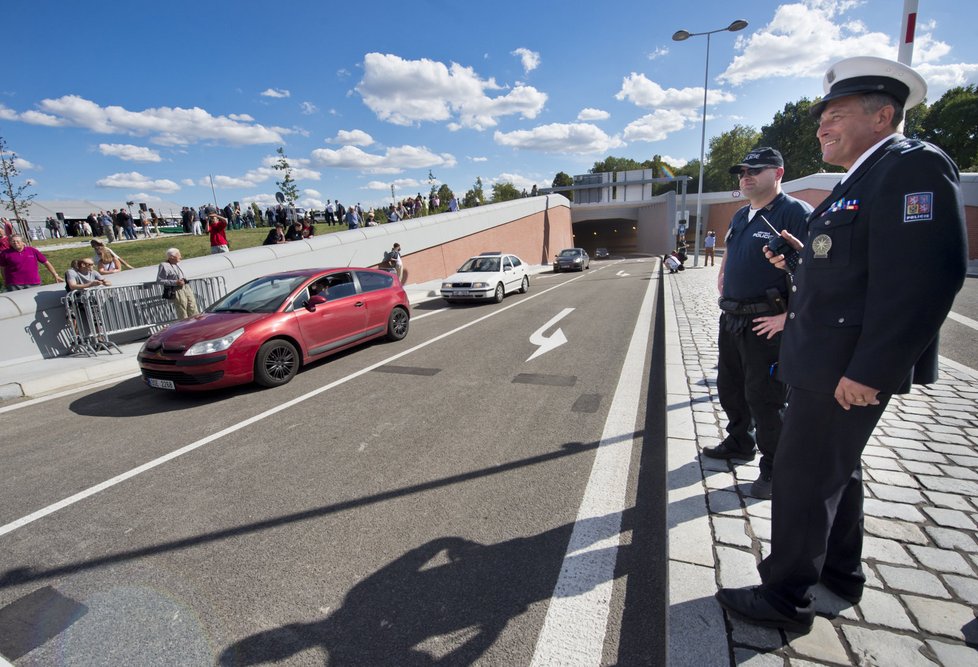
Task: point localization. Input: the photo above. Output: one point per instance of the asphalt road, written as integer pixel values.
(957, 337)
(405, 503)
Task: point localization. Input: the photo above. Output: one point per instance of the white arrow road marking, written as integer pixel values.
(622, 274)
(547, 343)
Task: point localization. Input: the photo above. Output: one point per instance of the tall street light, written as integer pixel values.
(680, 36)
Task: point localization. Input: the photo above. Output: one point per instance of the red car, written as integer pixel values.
(267, 328)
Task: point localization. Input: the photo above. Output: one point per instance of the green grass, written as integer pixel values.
(150, 252)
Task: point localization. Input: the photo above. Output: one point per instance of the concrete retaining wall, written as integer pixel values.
(32, 323)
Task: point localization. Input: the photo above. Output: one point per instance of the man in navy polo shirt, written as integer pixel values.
(753, 302)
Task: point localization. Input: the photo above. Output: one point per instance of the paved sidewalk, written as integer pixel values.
(920, 552)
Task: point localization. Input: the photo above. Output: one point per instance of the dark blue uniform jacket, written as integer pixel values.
(883, 258)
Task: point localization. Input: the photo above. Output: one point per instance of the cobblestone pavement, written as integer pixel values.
(921, 505)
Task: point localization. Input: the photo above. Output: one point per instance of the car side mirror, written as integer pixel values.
(310, 306)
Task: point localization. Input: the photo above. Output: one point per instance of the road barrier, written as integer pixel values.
(96, 314)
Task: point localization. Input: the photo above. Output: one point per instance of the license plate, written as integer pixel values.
(462, 292)
(161, 384)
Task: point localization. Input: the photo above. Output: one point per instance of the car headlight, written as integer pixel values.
(215, 345)
(578, 260)
(480, 285)
(446, 286)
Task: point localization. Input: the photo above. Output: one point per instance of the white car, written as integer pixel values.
(491, 275)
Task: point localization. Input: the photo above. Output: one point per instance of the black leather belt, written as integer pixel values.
(734, 307)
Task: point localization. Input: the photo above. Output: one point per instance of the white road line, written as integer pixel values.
(118, 479)
(967, 321)
(577, 618)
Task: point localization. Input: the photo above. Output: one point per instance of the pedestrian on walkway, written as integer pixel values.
(19, 263)
(753, 294)
(709, 246)
(175, 286)
(866, 309)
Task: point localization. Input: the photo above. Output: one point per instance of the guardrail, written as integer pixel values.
(96, 314)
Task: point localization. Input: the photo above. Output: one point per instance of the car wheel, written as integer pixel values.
(500, 293)
(525, 286)
(276, 363)
(398, 324)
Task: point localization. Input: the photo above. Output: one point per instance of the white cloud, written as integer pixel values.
(560, 138)
(658, 53)
(802, 40)
(309, 192)
(659, 124)
(519, 181)
(21, 164)
(308, 108)
(135, 180)
(529, 59)
(674, 161)
(267, 172)
(479, 159)
(805, 38)
(642, 92)
(144, 197)
(404, 92)
(275, 92)
(394, 160)
(311, 202)
(398, 183)
(589, 113)
(243, 117)
(165, 125)
(130, 152)
(263, 200)
(351, 138)
(189, 182)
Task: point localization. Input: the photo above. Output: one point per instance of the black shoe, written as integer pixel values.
(723, 451)
(761, 488)
(851, 593)
(749, 605)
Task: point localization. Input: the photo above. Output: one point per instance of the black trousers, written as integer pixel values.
(817, 503)
(749, 390)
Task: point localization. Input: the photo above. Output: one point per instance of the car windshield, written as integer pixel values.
(480, 265)
(570, 253)
(262, 295)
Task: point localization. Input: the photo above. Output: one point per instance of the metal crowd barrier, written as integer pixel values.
(97, 313)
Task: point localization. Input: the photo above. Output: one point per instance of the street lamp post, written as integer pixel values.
(680, 36)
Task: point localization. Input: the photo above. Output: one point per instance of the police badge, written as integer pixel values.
(821, 245)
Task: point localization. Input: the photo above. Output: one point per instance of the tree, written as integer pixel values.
(563, 180)
(445, 195)
(727, 150)
(504, 192)
(287, 185)
(611, 164)
(431, 183)
(475, 196)
(952, 123)
(12, 196)
(794, 132)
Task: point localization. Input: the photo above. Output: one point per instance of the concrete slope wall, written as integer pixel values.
(32, 322)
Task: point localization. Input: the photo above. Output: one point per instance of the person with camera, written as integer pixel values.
(863, 324)
(752, 301)
(175, 286)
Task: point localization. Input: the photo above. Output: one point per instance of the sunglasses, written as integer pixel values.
(752, 171)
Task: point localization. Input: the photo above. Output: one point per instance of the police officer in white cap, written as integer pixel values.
(875, 277)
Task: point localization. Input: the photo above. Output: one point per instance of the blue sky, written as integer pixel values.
(139, 100)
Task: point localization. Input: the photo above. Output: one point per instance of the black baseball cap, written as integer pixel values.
(762, 156)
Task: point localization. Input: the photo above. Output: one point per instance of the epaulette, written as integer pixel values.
(906, 146)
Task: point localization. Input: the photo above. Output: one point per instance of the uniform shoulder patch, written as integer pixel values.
(906, 146)
(918, 207)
